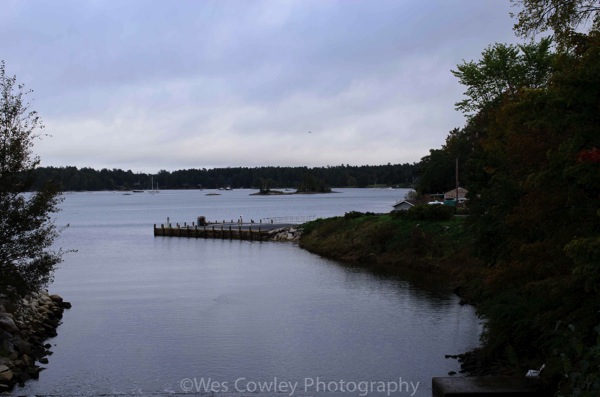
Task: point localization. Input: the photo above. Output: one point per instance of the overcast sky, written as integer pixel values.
(148, 85)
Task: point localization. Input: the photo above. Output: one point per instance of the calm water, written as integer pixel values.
(157, 316)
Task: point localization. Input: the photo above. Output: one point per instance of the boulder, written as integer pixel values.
(6, 375)
(66, 305)
(7, 323)
(28, 361)
(56, 298)
(20, 345)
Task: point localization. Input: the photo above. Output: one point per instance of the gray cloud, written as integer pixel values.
(165, 85)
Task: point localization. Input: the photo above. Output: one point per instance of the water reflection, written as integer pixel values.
(149, 312)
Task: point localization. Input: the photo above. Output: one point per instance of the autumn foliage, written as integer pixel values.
(531, 162)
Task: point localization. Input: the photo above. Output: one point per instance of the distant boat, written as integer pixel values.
(152, 191)
(138, 191)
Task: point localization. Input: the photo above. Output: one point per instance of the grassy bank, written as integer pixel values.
(429, 241)
(433, 245)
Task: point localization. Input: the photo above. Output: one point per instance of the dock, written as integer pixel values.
(261, 231)
(486, 386)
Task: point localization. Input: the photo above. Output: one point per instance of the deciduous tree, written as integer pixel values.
(27, 231)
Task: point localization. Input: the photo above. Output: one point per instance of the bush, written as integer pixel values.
(426, 213)
(357, 214)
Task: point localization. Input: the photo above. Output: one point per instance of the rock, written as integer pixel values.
(56, 298)
(20, 345)
(7, 323)
(28, 361)
(6, 376)
(38, 352)
(23, 334)
(34, 371)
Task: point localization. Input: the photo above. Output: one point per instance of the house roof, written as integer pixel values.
(462, 192)
(399, 203)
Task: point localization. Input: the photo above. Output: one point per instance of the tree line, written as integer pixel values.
(529, 156)
(88, 179)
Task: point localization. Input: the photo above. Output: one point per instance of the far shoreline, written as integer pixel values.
(280, 193)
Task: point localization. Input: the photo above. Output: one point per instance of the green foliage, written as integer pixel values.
(357, 214)
(560, 16)
(26, 228)
(310, 184)
(580, 363)
(427, 212)
(437, 172)
(502, 71)
(585, 253)
(320, 223)
(534, 199)
(389, 239)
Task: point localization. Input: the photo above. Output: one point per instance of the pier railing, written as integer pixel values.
(289, 219)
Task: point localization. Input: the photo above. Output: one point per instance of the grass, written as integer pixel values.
(439, 246)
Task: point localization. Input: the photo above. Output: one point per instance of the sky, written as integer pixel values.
(151, 85)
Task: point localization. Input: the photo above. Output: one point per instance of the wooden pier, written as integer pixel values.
(250, 232)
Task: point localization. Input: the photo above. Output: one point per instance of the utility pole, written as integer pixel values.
(456, 202)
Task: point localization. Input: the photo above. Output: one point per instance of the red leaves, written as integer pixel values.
(589, 156)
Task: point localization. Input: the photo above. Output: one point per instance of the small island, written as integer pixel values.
(309, 185)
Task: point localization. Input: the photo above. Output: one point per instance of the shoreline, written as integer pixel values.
(418, 255)
(280, 193)
(24, 329)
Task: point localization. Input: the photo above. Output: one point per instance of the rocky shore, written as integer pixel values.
(24, 329)
(285, 234)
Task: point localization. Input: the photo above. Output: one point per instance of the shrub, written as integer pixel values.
(426, 213)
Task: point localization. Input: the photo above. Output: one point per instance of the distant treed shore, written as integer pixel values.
(88, 179)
